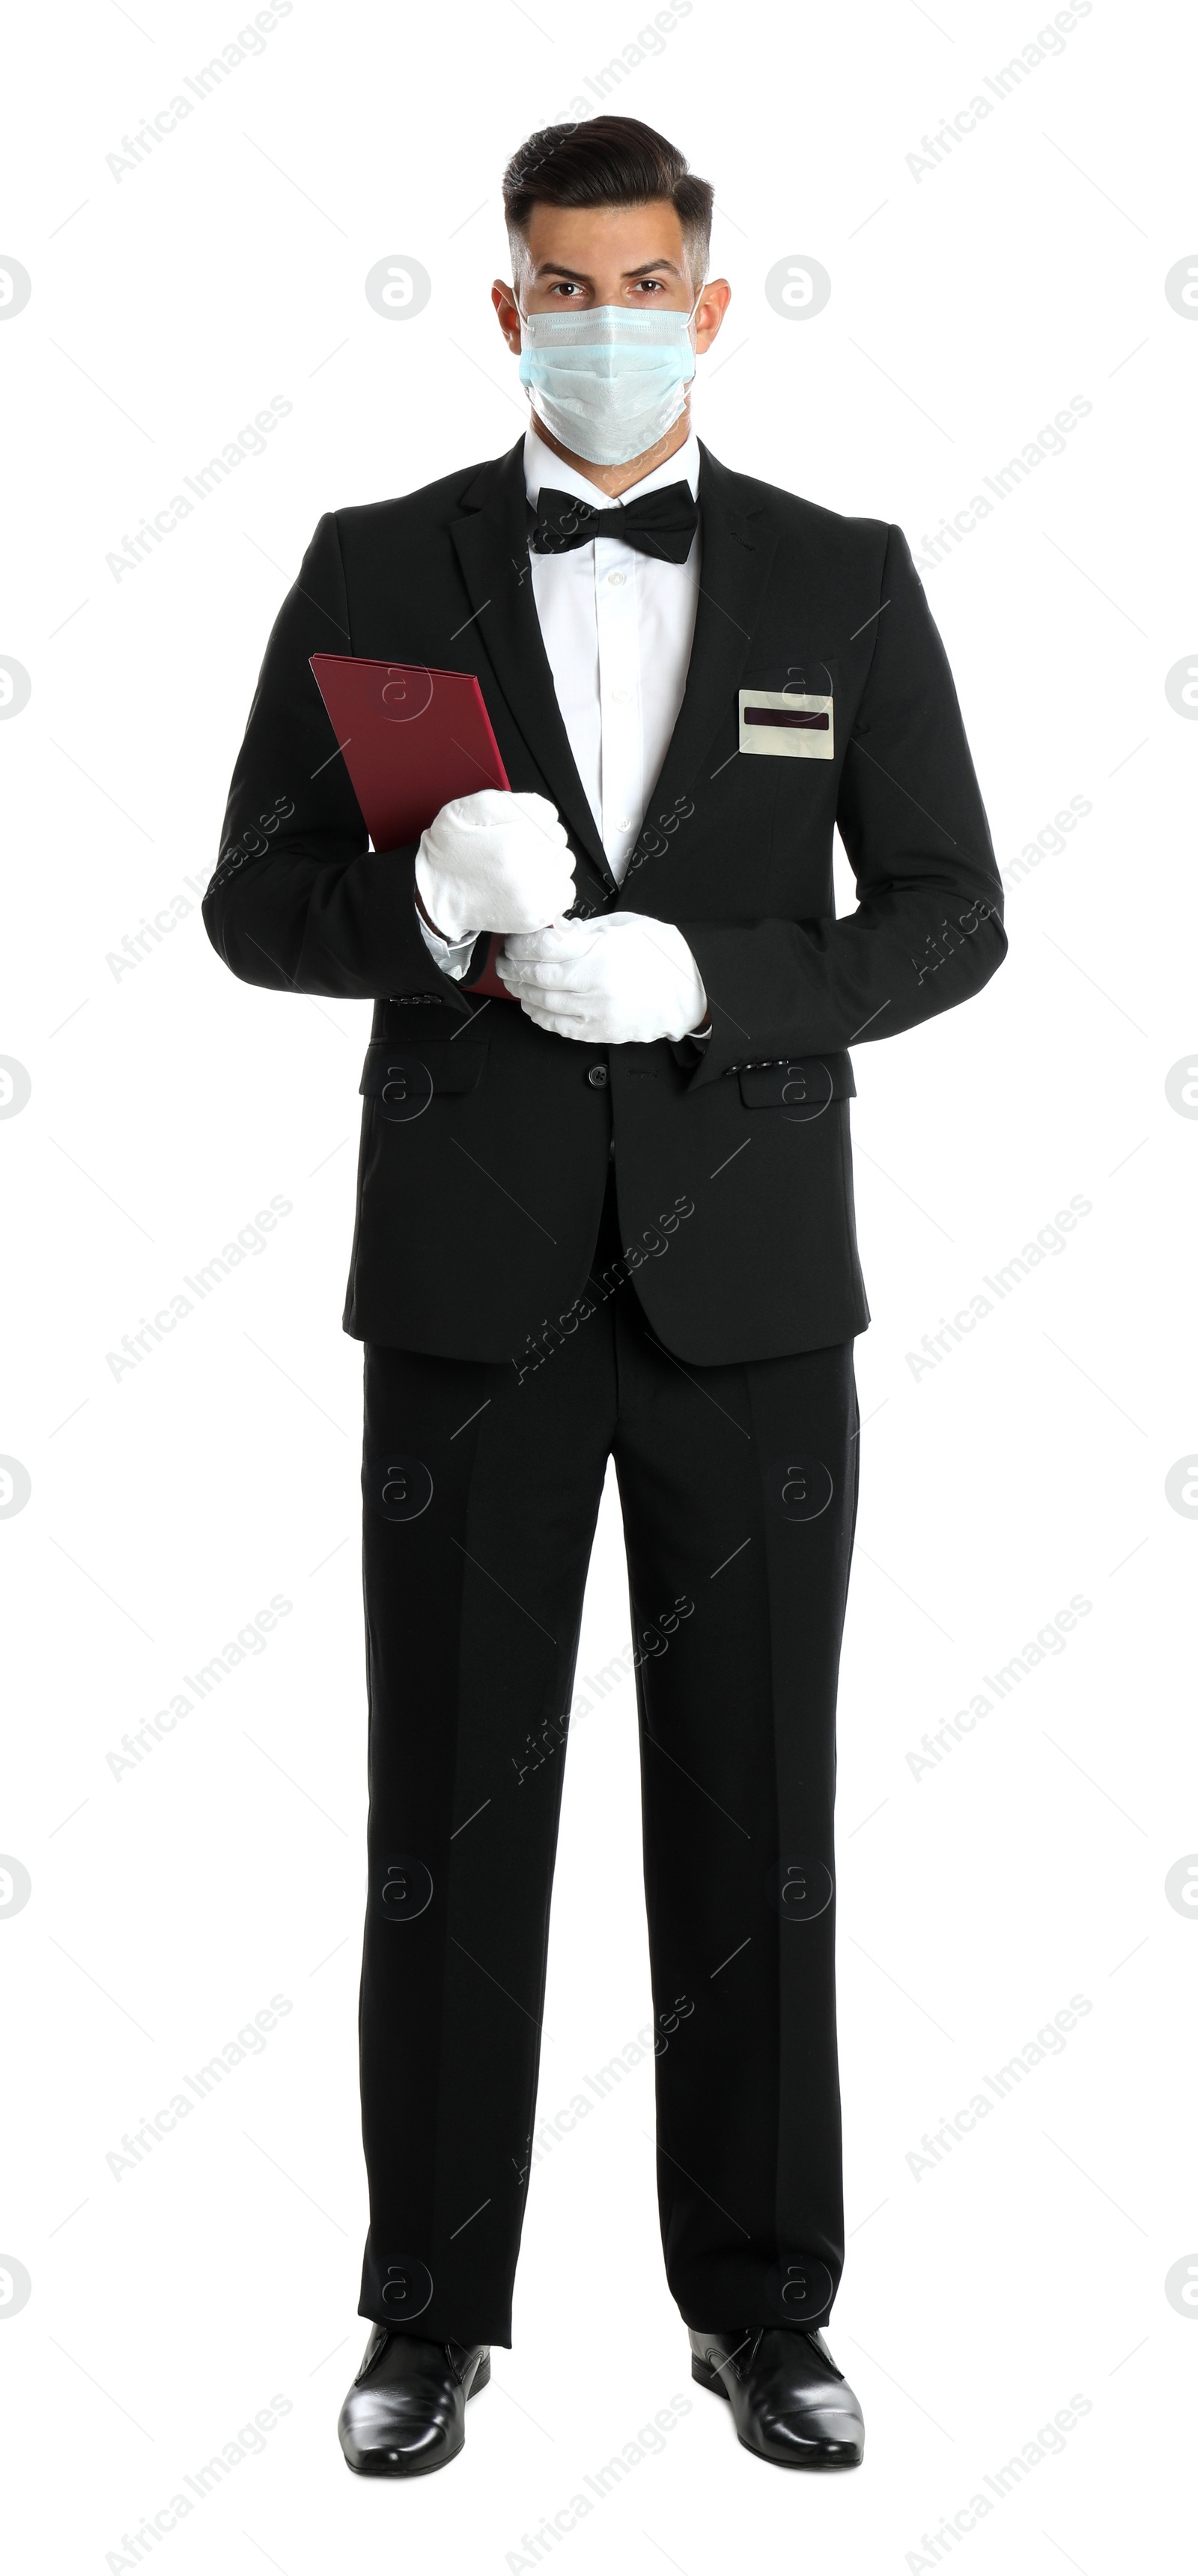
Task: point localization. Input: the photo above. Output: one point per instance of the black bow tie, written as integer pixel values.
(660, 524)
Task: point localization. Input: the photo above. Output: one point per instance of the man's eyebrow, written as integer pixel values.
(579, 277)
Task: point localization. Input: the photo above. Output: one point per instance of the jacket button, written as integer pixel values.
(597, 1076)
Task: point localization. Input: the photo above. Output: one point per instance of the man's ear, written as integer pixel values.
(508, 313)
(713, 304)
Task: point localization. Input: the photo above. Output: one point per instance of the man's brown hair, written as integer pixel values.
(608, 161)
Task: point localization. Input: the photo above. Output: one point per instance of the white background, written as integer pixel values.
(171, 1901)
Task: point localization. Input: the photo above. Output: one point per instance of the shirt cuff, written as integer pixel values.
(451, 955)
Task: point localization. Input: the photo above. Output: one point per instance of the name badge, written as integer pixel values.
(786, 726)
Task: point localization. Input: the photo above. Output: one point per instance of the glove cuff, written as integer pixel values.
(433, 902)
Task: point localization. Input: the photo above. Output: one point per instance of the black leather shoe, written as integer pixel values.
(406, 2411)
(790, 2402)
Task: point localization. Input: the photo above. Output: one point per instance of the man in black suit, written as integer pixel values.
(608, 1212)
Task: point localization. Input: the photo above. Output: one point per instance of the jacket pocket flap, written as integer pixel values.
(403, 1076)
(797, 1082)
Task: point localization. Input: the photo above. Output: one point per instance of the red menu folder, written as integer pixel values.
(411, 738)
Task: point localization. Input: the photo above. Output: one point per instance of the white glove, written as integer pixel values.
(621, 977)
(498, 860)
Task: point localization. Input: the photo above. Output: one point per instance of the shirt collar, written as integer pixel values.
(542, 466)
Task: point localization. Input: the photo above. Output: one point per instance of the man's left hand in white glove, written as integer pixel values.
(621, 978)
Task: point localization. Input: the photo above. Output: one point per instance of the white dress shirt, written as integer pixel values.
(618, 627)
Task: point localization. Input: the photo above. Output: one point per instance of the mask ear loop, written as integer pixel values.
(690, 330)
(691, 333)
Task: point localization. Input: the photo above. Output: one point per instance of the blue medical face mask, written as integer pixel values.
(608, 383)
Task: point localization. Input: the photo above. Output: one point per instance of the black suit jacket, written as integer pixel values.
(485, 1140)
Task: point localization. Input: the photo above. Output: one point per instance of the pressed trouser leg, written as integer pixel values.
(738, 1489)
(481, 1496)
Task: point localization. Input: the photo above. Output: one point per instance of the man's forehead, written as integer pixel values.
(575, 238)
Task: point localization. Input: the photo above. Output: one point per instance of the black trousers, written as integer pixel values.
(738, 1487)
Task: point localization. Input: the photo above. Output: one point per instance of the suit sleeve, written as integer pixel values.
(298, 900)
(927, 931)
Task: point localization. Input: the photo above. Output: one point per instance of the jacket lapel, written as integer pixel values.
(738, 550)
(491, 543)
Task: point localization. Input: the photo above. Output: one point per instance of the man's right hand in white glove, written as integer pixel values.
(498, 860)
